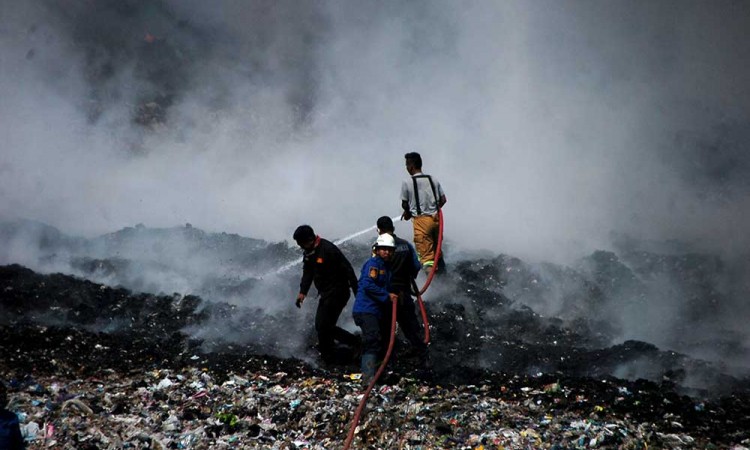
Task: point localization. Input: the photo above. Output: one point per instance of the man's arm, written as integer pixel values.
(350, 275)
(406, 215)
(308, 273)
(441, 195)
(337, 258)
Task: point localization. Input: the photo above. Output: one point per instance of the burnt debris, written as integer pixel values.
(184, 371)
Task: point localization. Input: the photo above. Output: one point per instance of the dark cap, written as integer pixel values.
(385, 223)
(304, 233)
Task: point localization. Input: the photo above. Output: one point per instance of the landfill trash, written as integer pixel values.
(29, 431)
(301, 407)
(146, 390)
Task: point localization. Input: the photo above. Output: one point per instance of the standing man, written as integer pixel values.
(373, 296)
(324, 264)
(421, 196)
(404, 268)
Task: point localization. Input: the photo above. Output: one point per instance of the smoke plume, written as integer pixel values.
(555, 128)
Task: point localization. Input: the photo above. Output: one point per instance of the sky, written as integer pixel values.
(552, 125)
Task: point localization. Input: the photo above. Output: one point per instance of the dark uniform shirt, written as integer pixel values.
(404, 265)
(328, 268)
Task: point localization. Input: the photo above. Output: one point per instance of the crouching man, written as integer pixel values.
(373, 296)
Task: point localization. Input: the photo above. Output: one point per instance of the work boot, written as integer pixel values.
(358, 344)
(424, 369)
(424, 361)
(441, 269)
(369, 366)
(327, 362)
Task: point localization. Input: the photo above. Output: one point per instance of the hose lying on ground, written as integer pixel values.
(371, 385)
(418, 292)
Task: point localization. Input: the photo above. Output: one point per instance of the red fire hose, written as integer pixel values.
(363, 402)
(423, 312)
(419, 292)
(437, 253)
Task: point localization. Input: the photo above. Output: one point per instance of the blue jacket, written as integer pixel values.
(373, 287)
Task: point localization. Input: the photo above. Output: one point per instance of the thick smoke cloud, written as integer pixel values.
(550, 125)
(556, 128)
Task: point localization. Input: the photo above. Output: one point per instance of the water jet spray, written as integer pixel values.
(290, 264)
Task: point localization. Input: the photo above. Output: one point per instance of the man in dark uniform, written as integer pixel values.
(324, 264)
(404, 267)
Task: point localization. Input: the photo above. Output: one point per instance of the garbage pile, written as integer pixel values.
(556, 316)
(90, 366)
(219, 267)
(269, 408)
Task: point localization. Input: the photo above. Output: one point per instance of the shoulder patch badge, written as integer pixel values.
(373, 272)
(319, 260)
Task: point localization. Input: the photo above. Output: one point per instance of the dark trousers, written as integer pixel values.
(375, 333)
(406, 317)
(330, 306)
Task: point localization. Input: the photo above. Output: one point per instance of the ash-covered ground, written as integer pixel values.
(510, 366)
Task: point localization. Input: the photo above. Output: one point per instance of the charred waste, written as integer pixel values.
(586, 119)
(96, 309)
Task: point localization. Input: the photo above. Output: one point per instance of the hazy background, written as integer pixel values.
(556, 128)
(550, 124)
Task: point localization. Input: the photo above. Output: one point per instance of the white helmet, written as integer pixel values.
(385, 240)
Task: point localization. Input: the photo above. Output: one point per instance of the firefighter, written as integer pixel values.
(373, 295)
(421, 197)
(404, 266)
(324, 264)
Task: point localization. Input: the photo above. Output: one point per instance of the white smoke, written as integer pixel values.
(550, 124)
